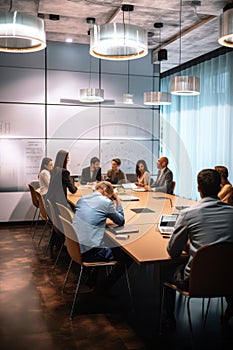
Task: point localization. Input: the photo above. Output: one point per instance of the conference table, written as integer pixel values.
(147, 245)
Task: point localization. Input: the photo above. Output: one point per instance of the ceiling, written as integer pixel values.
(199, 22)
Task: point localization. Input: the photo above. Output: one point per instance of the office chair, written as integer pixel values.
(73, 249)
(35, 203)
(173, 187)
(57, 230)
(65, 212)
(44, 216)
(210, 276)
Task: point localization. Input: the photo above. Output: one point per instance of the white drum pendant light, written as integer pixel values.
(157, 98)
(21, 33)
(226, 26)
(118, 41)
(185, 85)
(91, 95)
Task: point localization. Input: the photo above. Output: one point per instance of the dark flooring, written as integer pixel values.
(35, 314)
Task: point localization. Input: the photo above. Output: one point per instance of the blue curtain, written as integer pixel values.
(196, 131)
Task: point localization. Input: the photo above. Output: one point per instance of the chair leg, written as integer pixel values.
(36, 225)
(43, 233)
(76, 292)
(58, 256)
(66, 278)
(33, 221)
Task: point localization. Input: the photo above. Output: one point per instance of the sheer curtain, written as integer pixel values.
(196, 131)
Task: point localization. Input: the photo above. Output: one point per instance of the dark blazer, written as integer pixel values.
(163, 183)
(60, 181)
(86, 175)
(119, 177)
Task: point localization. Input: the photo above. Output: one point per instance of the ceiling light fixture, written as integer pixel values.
(184, 85)
(157, 98)
(91, 95)
(226, 26)
(20, 33)
(118, 41)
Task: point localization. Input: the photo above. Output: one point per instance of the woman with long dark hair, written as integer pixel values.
(57, 193)
(143, 174)
(45, 174)
(60, 180)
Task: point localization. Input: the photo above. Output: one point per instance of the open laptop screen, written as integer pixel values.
(167, 223)
(168, 220)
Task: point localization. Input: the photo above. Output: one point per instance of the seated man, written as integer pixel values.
(209, 222)
(116, 175)
(163, 183)
(91, 173)
(91, 212)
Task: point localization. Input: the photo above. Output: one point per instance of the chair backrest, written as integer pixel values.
(65, 212)
(43, 211)
(72, 243)
(35, 200)
(173, 187)
(54, 216)
(35, 184)
(211, 271)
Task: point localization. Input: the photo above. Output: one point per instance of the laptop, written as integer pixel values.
(167, 223)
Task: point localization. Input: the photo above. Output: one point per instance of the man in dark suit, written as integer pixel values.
(163, 183)
(91, 173)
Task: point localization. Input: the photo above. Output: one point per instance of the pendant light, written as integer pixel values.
(158, 98)
(21, 33)
(226, 26)
(127, 97)
(184, 85)
(91, 95)
(118, 41)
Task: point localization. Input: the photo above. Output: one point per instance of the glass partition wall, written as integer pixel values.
(36, 123)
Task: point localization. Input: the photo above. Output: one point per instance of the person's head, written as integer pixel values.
(209, 181)
(223, 171)
(105, 188)
(47, 164)
(62, 159)
(95, 162)
(162, 162)
(141, 167)
(116, 162)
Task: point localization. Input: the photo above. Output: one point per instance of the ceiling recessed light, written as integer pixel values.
(69, 40)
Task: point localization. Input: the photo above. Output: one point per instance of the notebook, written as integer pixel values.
(142, 210)
(167, 223)
(129, 185)
(139, 189)
(124, 229)
(128, 198)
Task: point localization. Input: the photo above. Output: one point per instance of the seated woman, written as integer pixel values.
(45, 174)
(142, 172)
(226, 192)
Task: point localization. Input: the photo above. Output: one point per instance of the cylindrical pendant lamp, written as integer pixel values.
(157, 98)
(21, 33)
(186, 85)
